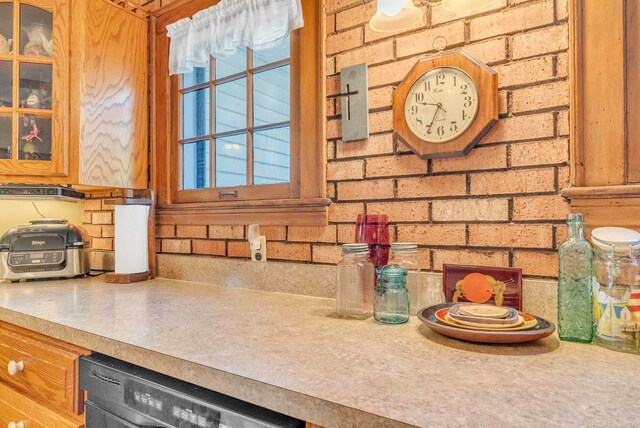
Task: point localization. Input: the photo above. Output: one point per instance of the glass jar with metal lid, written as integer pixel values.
(355, 282)
(405, 254)
(391, 304)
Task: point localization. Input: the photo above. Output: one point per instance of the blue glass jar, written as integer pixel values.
(391, 302)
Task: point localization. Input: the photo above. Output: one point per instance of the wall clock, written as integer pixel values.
(445, 105)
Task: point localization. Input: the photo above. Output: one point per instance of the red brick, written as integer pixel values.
(518, 128)
(285, 251)
(93, 230)
(226, 232)
(525, 72)
(274, 233)
(514, 181)
(92, 204)
(511, 235)
(191, 231)
(535, 263)
(432, 234)
(102, 244)
(102, 217)
(540, 208)
(393, 72)
(370, 54)
(562, 67)
(360, 190)
(422, 41)
(512, 20)
(108, 232)
(540, 42)
(344, 41)
(312, 234)
(355, 16)
(346, 233)
(330, 254)
(546, 152)
(241, 249)
(335, 5)
(489, 51)
(470, 210)
(209, 247)
(547, 96)
(432, 186)
(339, 212)
(402, 211)
(381, 121)
(395, 166)
(439, 15)
(563, 123)
(469, 257)
(345, 170)
(182, 246)
(375, 145)
(480, 158)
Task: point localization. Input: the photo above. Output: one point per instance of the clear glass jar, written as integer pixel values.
(406, 255)
(391, 304)
(617, 298)
(575, 284)
(355, 275)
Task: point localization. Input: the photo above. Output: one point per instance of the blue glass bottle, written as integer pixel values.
(391, 302)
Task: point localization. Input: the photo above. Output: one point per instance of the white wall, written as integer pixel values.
(14, 213)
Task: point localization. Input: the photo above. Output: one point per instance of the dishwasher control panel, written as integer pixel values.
(169, 408)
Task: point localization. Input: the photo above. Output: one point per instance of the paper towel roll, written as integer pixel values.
(132, 238)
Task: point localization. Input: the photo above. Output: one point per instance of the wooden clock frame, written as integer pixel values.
(486, 81)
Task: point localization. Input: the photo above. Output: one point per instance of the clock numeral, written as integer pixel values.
(419, 120)
(414, 109)
(455, 81)
(440, 79)
(428, 130)
(467, 101)
(464, 115)
(427, 85)
(441, 130)
(464, 88)
(419, 97)
(454, 126)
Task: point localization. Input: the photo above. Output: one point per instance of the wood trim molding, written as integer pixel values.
(606, 205)
(602, 192)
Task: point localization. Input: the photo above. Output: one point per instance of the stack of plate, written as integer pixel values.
(485, 323)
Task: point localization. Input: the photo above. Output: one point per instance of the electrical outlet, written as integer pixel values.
(261, 254)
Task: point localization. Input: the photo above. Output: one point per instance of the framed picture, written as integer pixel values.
(482, 284)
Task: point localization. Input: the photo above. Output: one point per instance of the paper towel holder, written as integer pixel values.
(145, 198)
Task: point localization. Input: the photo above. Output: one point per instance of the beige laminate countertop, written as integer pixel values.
(286, 352)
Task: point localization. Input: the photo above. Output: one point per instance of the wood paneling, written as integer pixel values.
(16, 408)
(50, 372)
(110, 114)
(633, 90)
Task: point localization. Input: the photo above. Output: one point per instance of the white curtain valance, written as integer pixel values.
(220, 29)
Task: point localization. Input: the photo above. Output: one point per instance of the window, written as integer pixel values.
(235, 121)
(242, 140)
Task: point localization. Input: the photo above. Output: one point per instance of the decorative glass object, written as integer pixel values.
(354, 293)
(575, 279)
(391, 304)
(406, 255)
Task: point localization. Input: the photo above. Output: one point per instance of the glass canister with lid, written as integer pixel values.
(405, 254)
(391, 304)
(355, 282)
(617, 288)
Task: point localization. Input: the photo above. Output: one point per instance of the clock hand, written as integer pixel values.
(438, 103)
(428, 104)
(434, 117)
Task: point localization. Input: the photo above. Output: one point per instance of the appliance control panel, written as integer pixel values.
(170, 408)
(36, 259)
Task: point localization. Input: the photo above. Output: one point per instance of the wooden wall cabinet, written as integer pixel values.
(605, 98)
(73, 93)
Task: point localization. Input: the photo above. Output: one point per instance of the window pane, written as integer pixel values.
(272, 156)
(267, 56)
(196, 77)
(35, 31)
(234, 64)
(271, 96)
(231, 161)
(6, 83)
(195, 165)
(6, 27)
(231, 106)
(35, 86)
(34, 138)
(5, 136)
(195, 114)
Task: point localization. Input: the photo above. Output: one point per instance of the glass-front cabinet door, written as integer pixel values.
(33, 89)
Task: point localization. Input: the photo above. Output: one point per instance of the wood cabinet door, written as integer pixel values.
(34, 90)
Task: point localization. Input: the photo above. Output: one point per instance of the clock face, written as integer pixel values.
(441, 104)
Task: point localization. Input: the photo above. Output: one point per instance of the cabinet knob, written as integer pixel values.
(14, 368)
(16, 425)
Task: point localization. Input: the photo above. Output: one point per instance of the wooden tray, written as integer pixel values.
(427, 315)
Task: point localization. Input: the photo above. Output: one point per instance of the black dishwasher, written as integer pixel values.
(121, 395)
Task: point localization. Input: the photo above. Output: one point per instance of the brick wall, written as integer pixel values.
(500, 205)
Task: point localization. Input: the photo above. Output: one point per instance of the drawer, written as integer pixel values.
(49, 372)
(16, 408)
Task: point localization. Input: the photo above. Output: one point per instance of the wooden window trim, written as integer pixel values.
(304, 202)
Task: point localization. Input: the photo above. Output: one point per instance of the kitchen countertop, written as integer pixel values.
(288, 353)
